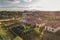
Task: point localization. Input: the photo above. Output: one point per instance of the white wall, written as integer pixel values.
(49, 29)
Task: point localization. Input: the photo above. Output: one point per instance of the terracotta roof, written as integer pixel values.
(32, 19)
(53, 24)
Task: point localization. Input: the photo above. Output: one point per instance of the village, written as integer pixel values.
(29, 24)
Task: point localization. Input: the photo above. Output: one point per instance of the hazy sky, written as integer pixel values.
(32, 4)
(16, 3)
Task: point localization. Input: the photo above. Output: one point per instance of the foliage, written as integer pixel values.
(37, 30)
(25, 32)
(30, 31)
(18, 38)
(3, 35)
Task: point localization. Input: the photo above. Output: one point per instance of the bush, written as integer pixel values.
(4, 35)
(18, 38)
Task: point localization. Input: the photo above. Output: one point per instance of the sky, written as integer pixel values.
(16, 3)
(45, 5)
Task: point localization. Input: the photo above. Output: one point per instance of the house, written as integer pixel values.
(52, 26)
(33, 19)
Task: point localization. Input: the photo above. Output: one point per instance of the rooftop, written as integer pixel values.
(53, 24)
(32, 19)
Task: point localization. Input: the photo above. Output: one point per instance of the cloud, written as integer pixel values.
(12, 2)
(19, 4)
(28, 0)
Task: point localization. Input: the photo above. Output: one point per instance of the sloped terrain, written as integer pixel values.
(13, 29)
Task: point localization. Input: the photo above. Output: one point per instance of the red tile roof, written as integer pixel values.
(33, 19)
(53, 24)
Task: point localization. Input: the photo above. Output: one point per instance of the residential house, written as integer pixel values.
(33, 19)
(52, 26)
